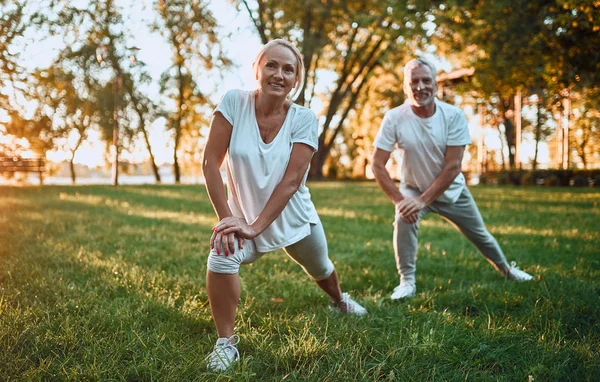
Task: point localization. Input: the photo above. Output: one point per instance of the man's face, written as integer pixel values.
(420, 86)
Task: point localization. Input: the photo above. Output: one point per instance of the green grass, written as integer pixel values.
(102, 283)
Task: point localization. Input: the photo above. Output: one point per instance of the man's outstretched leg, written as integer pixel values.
(465, 215)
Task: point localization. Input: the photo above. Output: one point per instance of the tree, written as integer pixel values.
(352, 153)
(13, 24)
(71, 114)
(103, 78)
(349, 38)
(542, 46)
(28, 123)
(190, 29)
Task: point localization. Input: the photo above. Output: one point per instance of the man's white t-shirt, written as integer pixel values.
(255, 168)
(424, 142)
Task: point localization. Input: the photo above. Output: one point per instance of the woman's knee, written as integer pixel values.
(223, 264)
(231, 264)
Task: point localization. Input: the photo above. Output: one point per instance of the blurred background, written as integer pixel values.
(123, 91)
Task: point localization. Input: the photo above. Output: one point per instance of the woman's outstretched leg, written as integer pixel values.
(331, 286)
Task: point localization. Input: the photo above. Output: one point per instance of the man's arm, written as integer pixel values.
(452, 167)
(383, 178)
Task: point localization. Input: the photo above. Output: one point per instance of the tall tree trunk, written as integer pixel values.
(152, 160)
(503, 160)
(346, 86)
(73, 152)
(72, 169)
(146, 138)
(177, 122)
(538, 130)
(581, 149)
(509, 129)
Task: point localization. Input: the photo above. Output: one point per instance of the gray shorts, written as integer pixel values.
(310, 253)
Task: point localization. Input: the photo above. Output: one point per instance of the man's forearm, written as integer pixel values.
(387, 185)
(440, 184)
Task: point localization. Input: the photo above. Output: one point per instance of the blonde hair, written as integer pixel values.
(295, 51)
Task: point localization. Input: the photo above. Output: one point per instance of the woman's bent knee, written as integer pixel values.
(223, 264)
(231, 264)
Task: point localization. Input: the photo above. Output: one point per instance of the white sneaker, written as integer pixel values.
(405, 289)
(516, 274)
(224, 355)
(348, 305)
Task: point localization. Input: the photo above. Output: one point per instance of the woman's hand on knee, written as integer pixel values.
(225, 243)
(237, 226)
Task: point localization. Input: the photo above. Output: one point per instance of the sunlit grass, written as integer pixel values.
(107, 283)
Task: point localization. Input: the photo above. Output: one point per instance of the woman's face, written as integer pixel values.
(276, 72)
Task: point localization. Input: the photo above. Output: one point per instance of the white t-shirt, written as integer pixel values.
(255, 168)
(424, 142)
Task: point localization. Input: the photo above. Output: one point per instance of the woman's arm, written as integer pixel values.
(214, 154)
(292, 179)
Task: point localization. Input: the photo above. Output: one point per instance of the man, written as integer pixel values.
(433, 135)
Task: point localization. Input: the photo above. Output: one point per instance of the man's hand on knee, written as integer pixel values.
(410, 219)
(409, 208)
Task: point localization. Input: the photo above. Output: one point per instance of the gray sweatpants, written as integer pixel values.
(464, 215)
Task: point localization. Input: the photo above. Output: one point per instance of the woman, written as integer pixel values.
(270, 142)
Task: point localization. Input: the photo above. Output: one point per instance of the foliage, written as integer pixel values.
(562, 178)
(539, 47)
(13, 24)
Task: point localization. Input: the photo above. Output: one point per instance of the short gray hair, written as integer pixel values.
(295, 51)
(419, 61)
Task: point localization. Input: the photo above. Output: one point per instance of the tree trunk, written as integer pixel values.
(140, 114)
(72, 169)
(177, 122)
(152, 160)
(502, 149)
(71, 161)
(509, 130)
(344, 88)
(538, 130)
(316, 164)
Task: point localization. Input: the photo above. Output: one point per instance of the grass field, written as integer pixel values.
(103, 283)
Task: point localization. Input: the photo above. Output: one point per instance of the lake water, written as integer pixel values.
(34, 180)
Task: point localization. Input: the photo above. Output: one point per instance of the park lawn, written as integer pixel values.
(104, 283)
